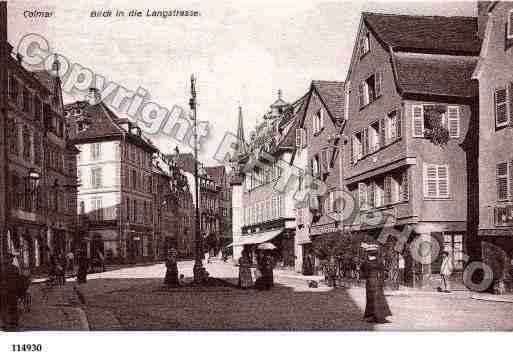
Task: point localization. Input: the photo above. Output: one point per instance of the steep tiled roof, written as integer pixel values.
(332, 94)
(289, 137)
(432, 34)
(101, 123)
(436, 74)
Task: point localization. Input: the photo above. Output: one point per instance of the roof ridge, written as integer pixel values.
(421, 16)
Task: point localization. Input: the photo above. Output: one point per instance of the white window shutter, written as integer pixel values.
(377, 83)
(453, 118)
(510, 102)
(502, 181)
(418, 120)
(361, 97)
(443, 181)
(430, 180)
(501, 118)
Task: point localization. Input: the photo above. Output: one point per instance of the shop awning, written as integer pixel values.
(257, 238)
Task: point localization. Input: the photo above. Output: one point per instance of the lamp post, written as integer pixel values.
(198, 270)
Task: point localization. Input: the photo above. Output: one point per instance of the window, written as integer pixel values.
(379, 192)
(97, 208)
(364, 44)
(37, 149)
(12, 133)
(357, 147)
(26, 100)
(362, 196)
(26, 143)
(501, 107)
(453, 243)
(318, 121)
(96, 177)
(436, 181)
(13, 88)
(374, 142)
(423, 115)
(315, 166)
(392, 127)
(370, 89)
(502, 180)
(299, 216)
(95, 151)
(38, 107)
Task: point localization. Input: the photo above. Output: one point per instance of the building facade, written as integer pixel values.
(264, 182)
(411, 132)
(220, 175)
(42, 167)
(495, 75)
(318, 156)
(115, 199)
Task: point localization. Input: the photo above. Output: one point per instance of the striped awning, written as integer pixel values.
(257, 238)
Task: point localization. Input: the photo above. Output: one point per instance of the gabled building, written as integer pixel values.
(318, 145)
(115, 199)
(495, 75)
(221, 176)
(263, 187)
(41, 166)
(412, 134)
(209, 202)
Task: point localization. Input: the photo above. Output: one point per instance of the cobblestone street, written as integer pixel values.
(133, 299)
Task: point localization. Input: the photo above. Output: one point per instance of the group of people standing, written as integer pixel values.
(264, 277)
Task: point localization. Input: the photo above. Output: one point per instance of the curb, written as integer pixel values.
(492, 298)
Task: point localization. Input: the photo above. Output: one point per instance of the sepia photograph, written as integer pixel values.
(316, 167)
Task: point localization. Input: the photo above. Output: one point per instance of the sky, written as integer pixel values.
(241, 52)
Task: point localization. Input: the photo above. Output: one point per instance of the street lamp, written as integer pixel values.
(198, 270)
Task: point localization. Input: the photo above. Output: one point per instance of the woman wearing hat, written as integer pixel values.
(376, 308)
(171, 279)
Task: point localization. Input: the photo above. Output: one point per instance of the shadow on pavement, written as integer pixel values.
(144, 304)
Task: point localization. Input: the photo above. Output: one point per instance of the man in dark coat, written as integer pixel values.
(376, 307)
(83, 266)
(171, 278)
(11, 282)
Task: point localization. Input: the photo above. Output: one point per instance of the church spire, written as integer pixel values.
(241, 143)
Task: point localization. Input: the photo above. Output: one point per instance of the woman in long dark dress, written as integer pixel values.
(171, 279)
(83, 265)
(376, 308)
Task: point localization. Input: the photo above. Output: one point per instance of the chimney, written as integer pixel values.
(482, 17)
(93, 97)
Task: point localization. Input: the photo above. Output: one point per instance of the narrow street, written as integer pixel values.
(134, 299)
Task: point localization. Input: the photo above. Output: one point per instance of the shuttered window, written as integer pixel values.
(453, 117)
(500, 108)
(365, 142)
(436, 181)
(510, 102)
(299, 138)
(371, 199)
(398, 124)
(387, 190)
(502, 181)
(418, 120)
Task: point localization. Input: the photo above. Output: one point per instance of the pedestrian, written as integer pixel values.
(245, 264)
(12, 281)
(376, 307)
(60, 269)
(52, 267)
(445, 272)
(308, 266)
(171, 278)
(70, 261)
(332, 272)
(267, 271)
(83, 266)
